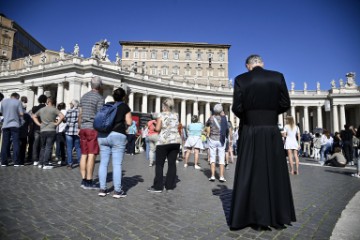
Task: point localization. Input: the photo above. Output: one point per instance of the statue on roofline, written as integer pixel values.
(350, 80)
(76, 50)
(333, 84)
(99, 50)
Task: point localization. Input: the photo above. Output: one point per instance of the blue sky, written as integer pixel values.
(307, 40)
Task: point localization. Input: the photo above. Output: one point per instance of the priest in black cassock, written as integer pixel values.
(262, 195)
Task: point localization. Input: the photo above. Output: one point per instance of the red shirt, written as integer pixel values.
(151, 127)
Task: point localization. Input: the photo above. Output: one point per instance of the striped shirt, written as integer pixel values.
(71, 119)
(90, 104)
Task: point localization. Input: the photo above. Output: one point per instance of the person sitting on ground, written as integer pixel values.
(194, 141)
(337, 159)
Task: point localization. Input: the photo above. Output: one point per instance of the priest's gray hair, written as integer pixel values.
(218, 109)
(254, 59)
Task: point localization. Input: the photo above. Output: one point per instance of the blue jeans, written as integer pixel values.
(325, 149)
(7, 134)
(113, 144)
(73, 141)
(147, 148)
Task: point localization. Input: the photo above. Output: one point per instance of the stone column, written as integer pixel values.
(196, 108)
(29, 93)
(60, 93)
(293, 113)
(89, 86)
(306, 118)
(183, 112)
(188, 113)
(40, 91)
(158, 104)
(342, 116)
(231, 115)
(201, 115)
(74, 89)
(84, 89)
(207, 111)
(131, 101)
(144, 103)
(281, 119)
(319, 117)
(335, 119)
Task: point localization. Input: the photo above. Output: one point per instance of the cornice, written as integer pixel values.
(173, 44)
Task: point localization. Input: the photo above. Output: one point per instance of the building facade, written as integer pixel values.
(67, 77)
(15, 41)
(201, 63)
(195, 75)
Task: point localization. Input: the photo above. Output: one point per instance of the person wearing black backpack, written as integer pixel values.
(113, 143)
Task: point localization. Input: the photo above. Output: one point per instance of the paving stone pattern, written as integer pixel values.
(49, 204)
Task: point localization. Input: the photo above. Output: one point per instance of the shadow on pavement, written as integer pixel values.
(341, 171)
(225, 195)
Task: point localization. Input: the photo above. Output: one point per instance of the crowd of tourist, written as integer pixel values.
(46, 127)
(337, 150)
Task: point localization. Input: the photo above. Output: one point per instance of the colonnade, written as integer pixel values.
(186, 108)
(332, 119)
(137, 101)
(306, 115)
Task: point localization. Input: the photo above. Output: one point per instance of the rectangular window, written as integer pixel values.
(126, 54)
(165, 71)
(153, 55)
(143, 55)
(198, 56)
(165, 55)
(175, 71)
(221, 57)
(136, 54)
(188, 56)
(176, 55)
(153, 71)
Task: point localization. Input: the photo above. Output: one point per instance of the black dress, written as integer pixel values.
(262, 192)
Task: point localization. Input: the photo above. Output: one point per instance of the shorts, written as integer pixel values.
(88, 142)
(194, 142)
(216, 146)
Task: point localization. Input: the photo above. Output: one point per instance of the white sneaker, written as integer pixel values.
(355, 175)
(48, 167)
(212, 178)
(36, 163)
(40, 166)
(150, 164)
(222, 179)
(185, 165)
(197, 167)
(59, 163)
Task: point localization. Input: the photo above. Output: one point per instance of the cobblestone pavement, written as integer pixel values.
(49, 204)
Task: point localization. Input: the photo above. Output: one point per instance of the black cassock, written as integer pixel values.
(262, 192)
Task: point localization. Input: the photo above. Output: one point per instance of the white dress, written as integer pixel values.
(291, 142)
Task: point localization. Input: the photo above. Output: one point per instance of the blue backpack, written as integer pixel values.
(104, 119)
